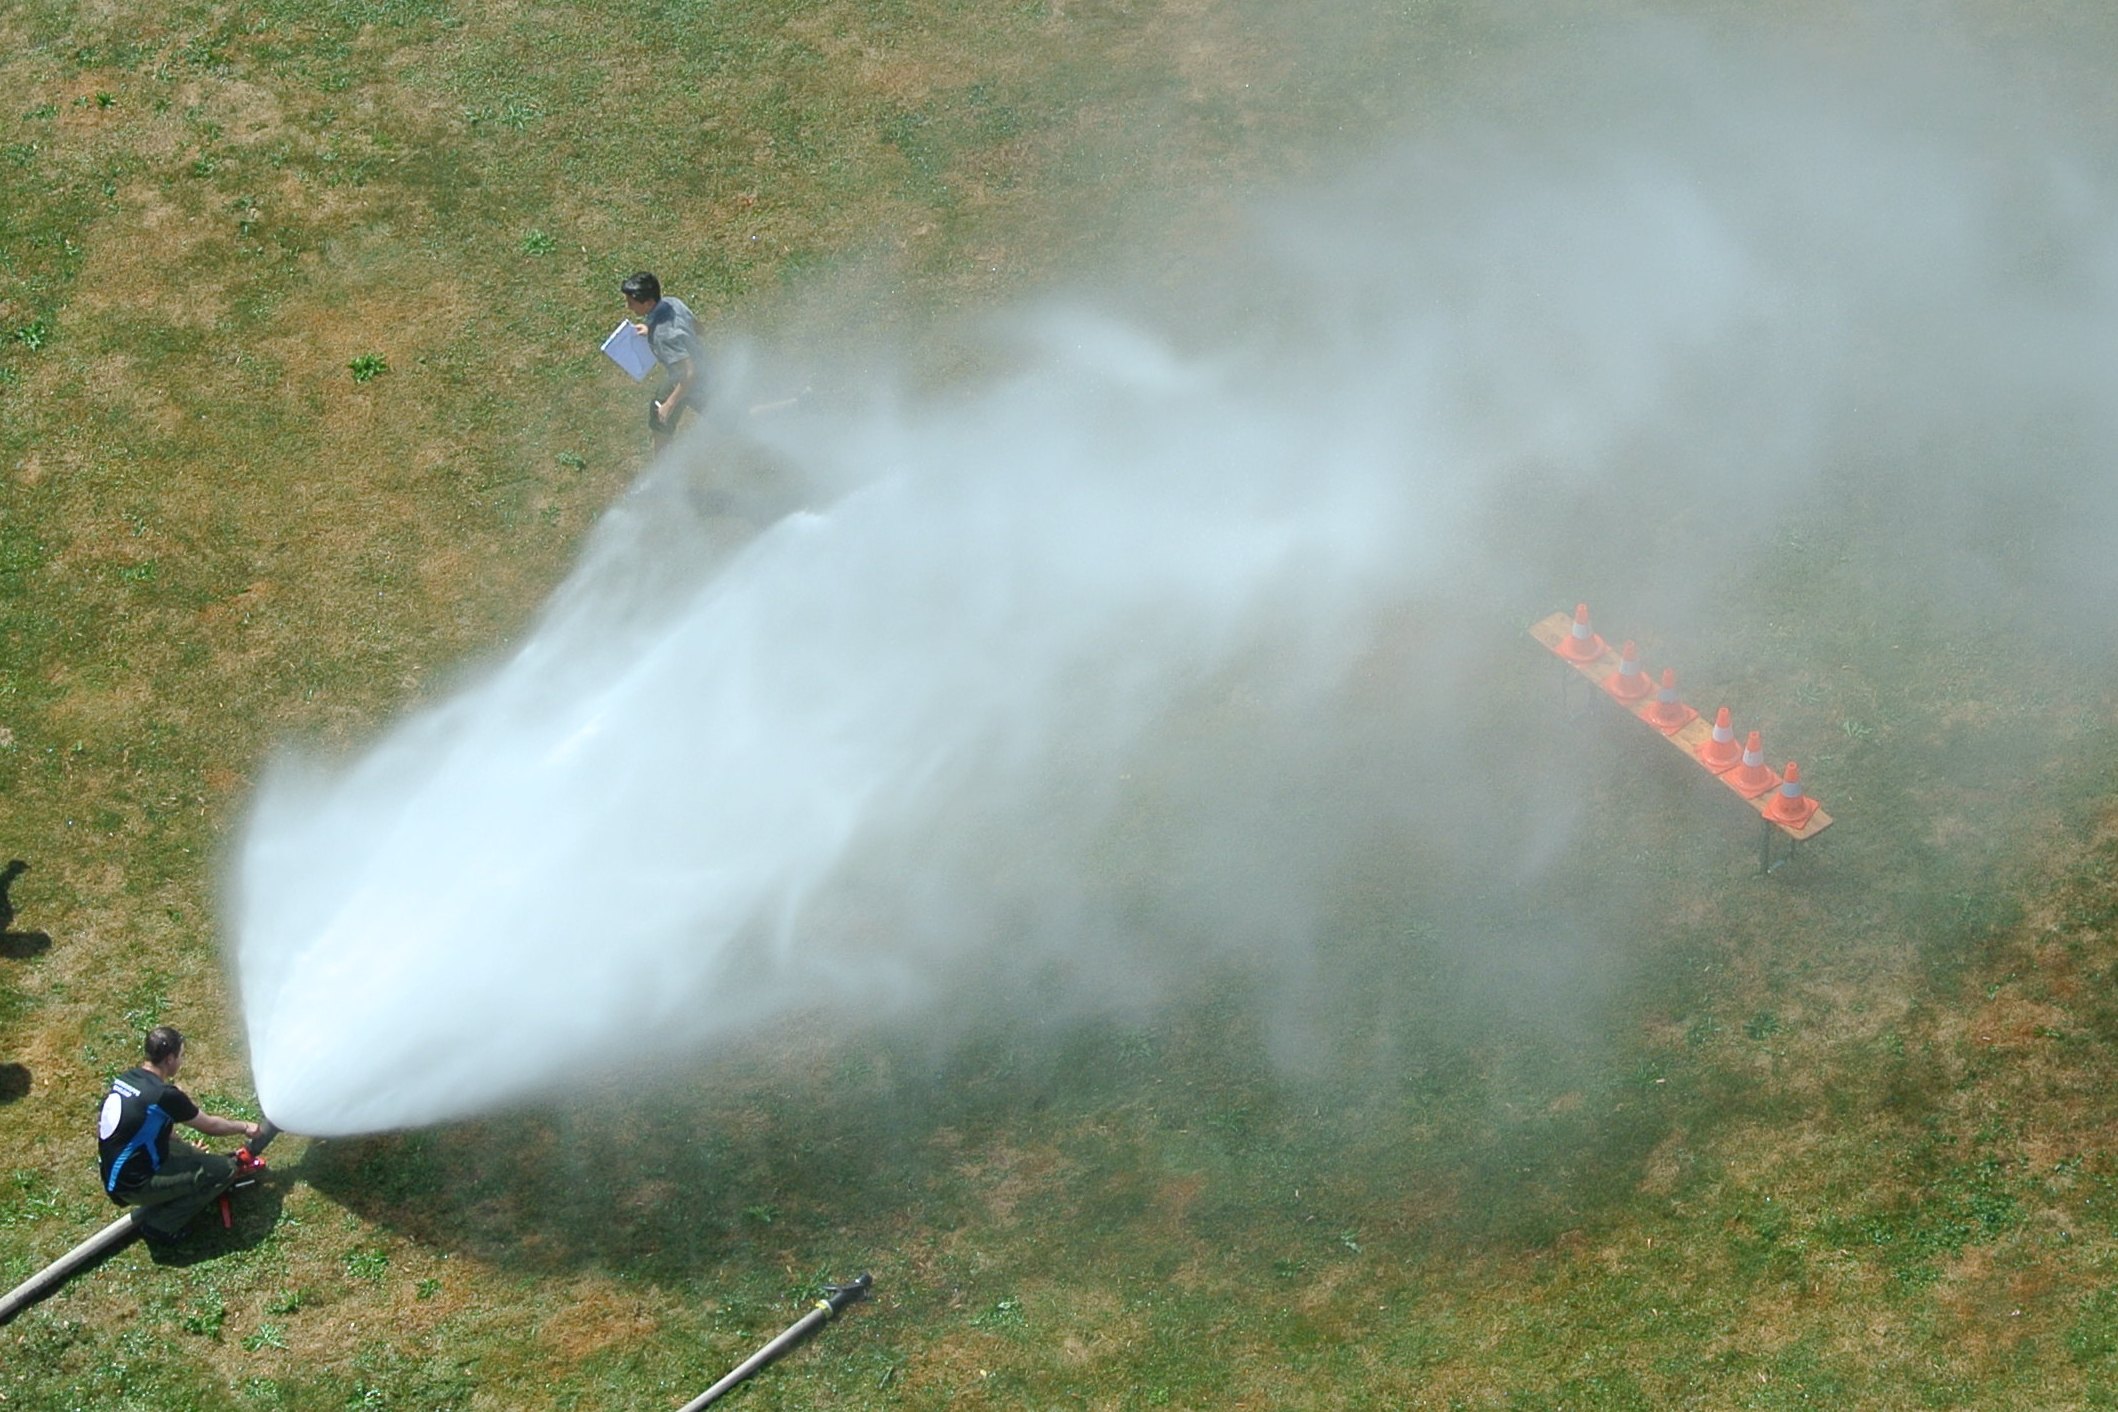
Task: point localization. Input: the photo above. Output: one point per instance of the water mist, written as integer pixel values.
(642, 832)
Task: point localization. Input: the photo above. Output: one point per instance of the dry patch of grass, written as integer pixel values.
(1006, 1178)
(595, 1315)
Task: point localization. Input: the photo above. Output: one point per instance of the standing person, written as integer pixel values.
(142, 1166)
(673, 334)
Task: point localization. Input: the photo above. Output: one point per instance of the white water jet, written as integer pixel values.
(603, 850)
(635, 837)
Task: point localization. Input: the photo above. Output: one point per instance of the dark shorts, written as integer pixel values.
(663, 427)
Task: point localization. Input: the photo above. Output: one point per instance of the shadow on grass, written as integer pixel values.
(254, 1211)
(1126, 1146)
(15, 868)
(20, 946)
(661, 1186)
(14, 944)
(14, 1082)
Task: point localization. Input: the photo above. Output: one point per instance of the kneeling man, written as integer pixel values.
(142, 1165)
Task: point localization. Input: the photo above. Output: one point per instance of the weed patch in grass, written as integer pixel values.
(205, 1318)
(367, 1264)
(1004, 1316)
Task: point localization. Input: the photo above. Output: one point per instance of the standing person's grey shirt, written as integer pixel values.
(673, 334)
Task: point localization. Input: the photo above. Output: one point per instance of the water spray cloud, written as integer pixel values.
(637, 835)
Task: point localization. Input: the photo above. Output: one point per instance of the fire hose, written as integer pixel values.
(836, 1297)
(248, 1160)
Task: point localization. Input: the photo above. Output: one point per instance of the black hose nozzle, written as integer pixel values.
(839, 1296)
(266, 1131)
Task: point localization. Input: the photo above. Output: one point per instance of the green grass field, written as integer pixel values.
(301, 411)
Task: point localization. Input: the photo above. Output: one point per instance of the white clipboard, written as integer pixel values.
(630, 350)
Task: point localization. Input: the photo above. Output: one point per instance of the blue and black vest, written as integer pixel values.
(132, 1129)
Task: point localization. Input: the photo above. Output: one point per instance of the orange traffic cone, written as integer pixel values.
(1583, 645)
(1790, 806)
(1628, 683)
(1666, 713)
(1753, 777)
(1720, 752)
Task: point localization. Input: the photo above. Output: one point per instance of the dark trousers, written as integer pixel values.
(186, 1185)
